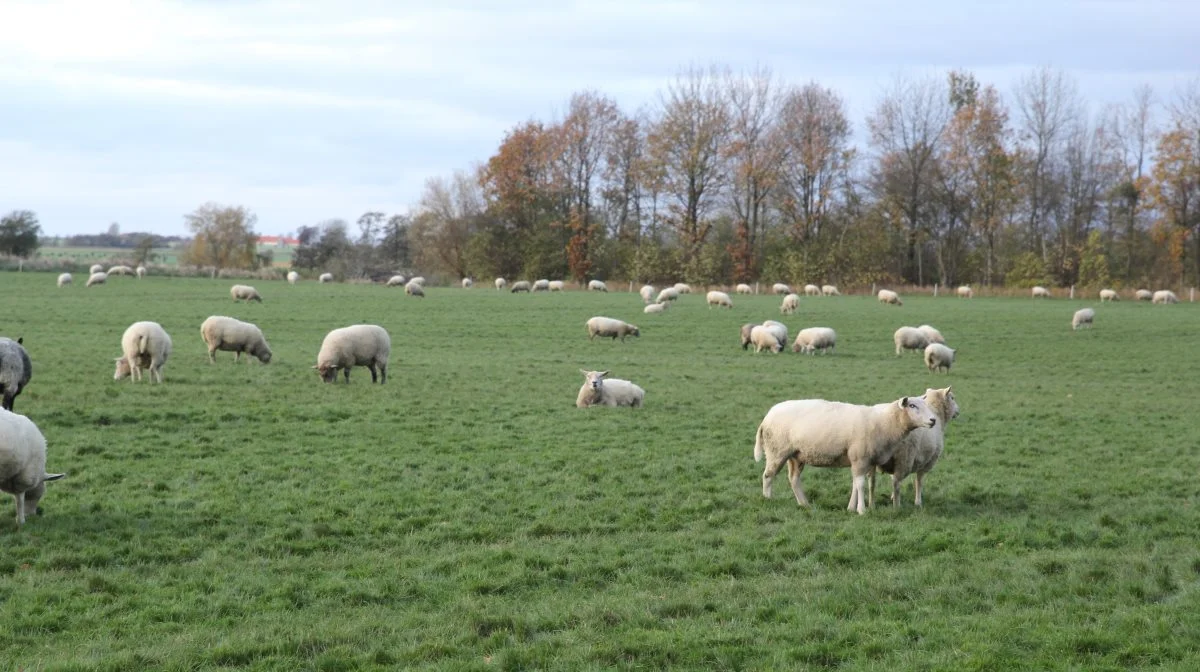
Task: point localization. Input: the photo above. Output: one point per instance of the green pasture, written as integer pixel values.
(467, 516)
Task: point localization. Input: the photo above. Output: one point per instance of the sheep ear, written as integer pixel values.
(603, 374)
(947, 390)
(53, 477)
(584, 372)
(904, 402)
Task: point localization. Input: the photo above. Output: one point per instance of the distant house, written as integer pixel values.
(277, 241)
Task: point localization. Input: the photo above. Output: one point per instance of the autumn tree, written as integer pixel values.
(448, 216)
(753, 155)
(222, 237)
(1175, 194)
(581, 145)
(1047, 105)
(1131, 127)
(623, 185)
(19, 231)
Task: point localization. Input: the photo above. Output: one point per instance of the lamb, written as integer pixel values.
(244, 293)
(812, 290)
(655, 308)
(541, 286)
(830, 290)
(120, 270)
(921, 449)
(97, 279)
(96, 268)
(1143, 295)
(293, 277)
(780, 288)
(324, 278)
(359, 345)
(501, 283)
(64, 279)
(743, 288)
(909, 338)
(931, 334)
(231, 335)
(597, 286)
(683, 288)
(612, 328)
(559, 285)
(791, 303)
(23, 463)
(144, 345)
(835, 434)
(397, 281)
(520, 286)
(420, 280)
(667, 294)
(141, 272)
(888, 296)
(1082, 316)
(15, 370)
(1109, 295)
(467, 283)
(812, 339)
(647, 293)
(715, 298)
(414, 289)
(1164, 296)
(938, 356)
(965, 292)
(1040, 292)
(599, 390)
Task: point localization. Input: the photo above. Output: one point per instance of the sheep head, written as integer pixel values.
(917, 412)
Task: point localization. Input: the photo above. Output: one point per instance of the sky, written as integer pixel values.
(138, 112)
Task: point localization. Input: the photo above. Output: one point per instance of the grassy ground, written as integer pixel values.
(467, 516)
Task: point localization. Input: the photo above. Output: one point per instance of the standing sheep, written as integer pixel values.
(834, 434)
(96, 268)
(1040, 292)
(909, 338)
(779, 329)
(15, 370)
(1083, 316)
(120, 269)
(1164, 296)
(667, 294)
(770, 335)
(244, 293)
(324, 278)
(716, 298)
(559, 285)
(922, 448)
(359, 345)
(932, 334)
(683, 288)
(965, 292)
(520, 286)
(791, 303)
(141, 272)
(396, 281)
(1143, 295)
(781, 289)
(467, 283)
(938, 357)
(293, 277)
(23, 463)
(830, 290)
(541, 285)
(812, 290)
(647, 293)
(599, 390)
(812, 339)
(1109, 295)
(597, 286)
(888, 296)
(414, 288)
(607, 327)
(144, 345)
(97, 279)
(743, 288)
(230, 335)
(64, 279)
(500, 283)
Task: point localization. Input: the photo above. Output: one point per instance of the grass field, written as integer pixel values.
(466, 516)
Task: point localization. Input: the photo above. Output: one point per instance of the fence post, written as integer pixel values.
(935, 287)
(1072, 291)
(630, 286)
(873, 292)
(1192, 295)
(756, 288)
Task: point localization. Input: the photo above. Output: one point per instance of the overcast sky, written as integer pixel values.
(138, 112)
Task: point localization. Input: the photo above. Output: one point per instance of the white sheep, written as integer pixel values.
(791, 303)
(830, 290)
(397, 281)
(909, 338)
(245, 293)
(812, 339)
(64, 279)
(520, 286)
(938, 356)
(325, 277)
(932, 334)
(770, 335)
(779, 329)
(97, 279)
(1143, 295)
(607, 327)
(888, 296)
(293, 277)
(467, 283)
(23, 463)
(419, 279)
(96, 268)
(120, 269)
(414, 288)
(812, 290)
(231, 335)
(647, 293)
(965, 292)
(652, 308)
(824, 433)
(559, 285)
(501, 283)
(541, 285)
(144, 345)
(599, 390)
(597, 286)
(15, 370)
(359, 345)
(781, 289)
(1164, 296)
(1040, 292)
(743, 288)
(667, 294)
(141, 272)
(683, 288)
(921, 449)
(1109, 295)
(715, 298)
(1083, 316)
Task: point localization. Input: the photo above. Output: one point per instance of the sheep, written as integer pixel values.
(324, 278)
(245, 293)
(15, 370)
(414, 289)
(938, 356)
(599, 390)
(830, 290)
(501, 283)
(647, 293)
(667, 294)
(716, 298)
(397, 281)
(612, 328)
(96, 268)
(791, 303)
(932, 335)
(23, 463)
(467, 283)
(419, 279)
(64, 279)
(97, 279)
(1143, 295)
(812, 339)
(141, 272)
(520, 286)
(909, 338)
(597, 286)
(293, 277)
(144, 345)
(779, 329)
(812, 290)
(781, 289)
(231, 335)
(764, 339)
(743, 288)
(835, 434)
(1040, 292)
(1109, 295)
(120, 270)
(559, 285)
(683, 288)
(655, 308)
(888, 296)
(359, 345)
(921, 449)
(1164, 296)
(1083, 316)
(965, 292)
(541, 286)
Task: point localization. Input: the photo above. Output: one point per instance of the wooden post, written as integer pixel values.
(935, 286)
(756, 288)
(873, 292)
(630, 286)
(1192, 295)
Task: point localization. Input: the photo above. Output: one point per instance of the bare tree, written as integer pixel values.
(1047, 105)
(582, 144)
(449, 214)
(622, 178)
(754, 155)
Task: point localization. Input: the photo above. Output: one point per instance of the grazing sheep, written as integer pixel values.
(931, 334)
(667, 294)
(467, 283)
(1109, 295)
(812, 290)
(716, 298)
(120, 270)
(743, 288)
(812, 339)
(683, 288)
(541, 286)
(745, 334)
(293, 277)
(922, 448)
(501, 283)
(397, 281)
(834, 434)
(1143, 295)
(791, 303)
(780, 288)
(938, 356)
(97, 279)
(359, 345)
(1164, 296)
(141, 272)
(559, 285)
(779, 329)
(763, 338)
(965, 292)
(325, 277)
(64, 279)
(15, 370)
(830, 290)
(1081, 317)
(1040, 292)
(597, 286)
(244, 293)
(23, 463)
(647, 293)
(144, 345)
(96, 268)
(655, 308)
(230, 335)
(607, 327)
(520, 286)
(888, 296)
(414, 289)
(599, 390)
(909, 338)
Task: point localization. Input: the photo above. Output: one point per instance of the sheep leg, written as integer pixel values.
(917, 486)
(795, 468)
(897, 479)
(374, 376)
(383, 373)
(20, 497)
(347, 372)
(212, 355)
(774, 464)
(858, 489)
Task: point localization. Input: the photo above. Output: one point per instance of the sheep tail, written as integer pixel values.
(758, 444)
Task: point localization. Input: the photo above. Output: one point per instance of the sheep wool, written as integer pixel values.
(607, 327)
(97, 279)
(812, 339)
(520, 286)
(720, 299)
(599, 390)
(244, 293)
(64, 279)
(414, 288)
(888, 296)
(933, 335)
(96, 268)
(938, 357)
(791, 303)
(1143, 295)
(1164, 296)
(467, 283)
(500, 283)
(541, 285)
(1109, 295)
(922, 448)
(812, 290)
(597, 286)
(358, 345)
(743, 288)
(830, 290)
(647, 293)
(144, 345)
(559, 285)
(655, 308)
(141, 272)
(780, 288)
(909, 338)
(396, 281)
(15, 370)
(1082, 317)
(325, 277)
(231, 335)
(23, 463)
(293, 277)
(965, 292)
(1040, 292)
